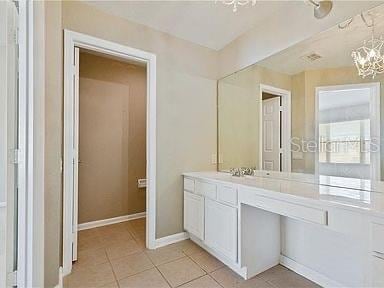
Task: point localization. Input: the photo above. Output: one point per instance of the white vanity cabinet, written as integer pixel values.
(253, 224)
(211, 215)
(221, 228)
(377, 250)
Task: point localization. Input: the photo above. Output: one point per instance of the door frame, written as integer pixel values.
(286, 124)
(74, 39)
(375, 171)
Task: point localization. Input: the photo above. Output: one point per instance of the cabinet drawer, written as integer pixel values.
(377, 238)
(284, 208)
(377, 272)
(206, 189)
(189, 185)
(227, 194)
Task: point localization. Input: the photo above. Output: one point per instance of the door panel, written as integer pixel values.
(221, 228)
(76, 156)
(271, 134)
(194, 214)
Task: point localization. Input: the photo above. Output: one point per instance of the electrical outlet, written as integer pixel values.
(214, 158)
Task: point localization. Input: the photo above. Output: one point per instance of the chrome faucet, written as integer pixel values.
(240, 172)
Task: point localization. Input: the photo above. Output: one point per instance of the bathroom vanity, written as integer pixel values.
(331, 235)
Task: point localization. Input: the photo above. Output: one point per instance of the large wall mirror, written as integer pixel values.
(316, 107)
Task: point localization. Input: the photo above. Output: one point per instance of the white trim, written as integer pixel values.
(61, 278)
(23, 204)
(109, 221)
(72, 40)
(167, 240)
(374, 105)
(286, 125)
(308, 273)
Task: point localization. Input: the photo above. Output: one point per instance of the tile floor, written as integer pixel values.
(115, 256)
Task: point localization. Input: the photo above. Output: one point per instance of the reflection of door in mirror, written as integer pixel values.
(271, 132)
(348, 129)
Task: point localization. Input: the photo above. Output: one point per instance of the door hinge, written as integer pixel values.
(15, 156)
(12, 278)
(16, 35)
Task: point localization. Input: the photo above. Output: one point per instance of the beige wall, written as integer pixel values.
(53, 142)
(112, 138)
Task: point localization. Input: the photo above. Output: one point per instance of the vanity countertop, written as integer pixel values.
(371, 202)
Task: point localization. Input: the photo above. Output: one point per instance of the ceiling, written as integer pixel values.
(333, 45)
(212, 24)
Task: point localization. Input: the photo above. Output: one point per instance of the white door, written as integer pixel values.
(8, 142)
(271, 134)
(194, 214)
(221, 228)
(76, 110)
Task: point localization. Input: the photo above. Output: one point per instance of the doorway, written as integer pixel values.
(93, 122)
(275, 127)
(348, 131)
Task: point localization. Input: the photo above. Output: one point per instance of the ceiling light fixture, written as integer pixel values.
(321, 8)
(369, 58)
(237, 3)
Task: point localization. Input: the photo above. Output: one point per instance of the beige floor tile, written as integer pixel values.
(202, 282)
(165, 254)
(180, 271)
(141, 242)
(227, 278)
(138, 233)
(138, 223)
(91, 276)
(115, 238)
(88, 243)
(88, 233)
(282, 277)
(188, 247)
(255, 282)
(130, 265)
(90, 257)
(147, 279)
(206, 261)
(123, 249)
(111, 285)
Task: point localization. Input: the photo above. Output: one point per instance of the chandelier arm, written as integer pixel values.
(365, 20)
(346, 23)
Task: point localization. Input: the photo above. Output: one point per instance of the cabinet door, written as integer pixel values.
(377, 272)
(194, 214)
(221, 228)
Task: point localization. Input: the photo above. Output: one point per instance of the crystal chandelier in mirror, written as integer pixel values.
(237, 3)
(369, 58)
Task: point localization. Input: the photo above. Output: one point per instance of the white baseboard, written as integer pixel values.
(60, 284)
(171, 239)
(104, 222)
(308, 273)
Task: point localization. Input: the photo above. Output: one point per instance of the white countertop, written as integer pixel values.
(330, 193)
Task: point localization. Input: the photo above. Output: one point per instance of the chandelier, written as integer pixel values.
(237, 3)
(369, 58)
